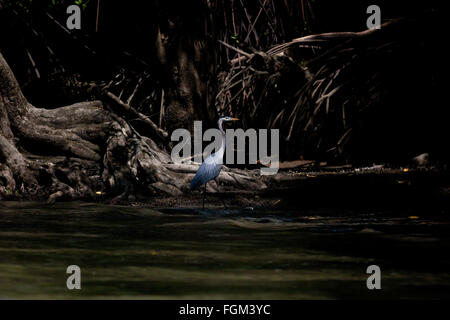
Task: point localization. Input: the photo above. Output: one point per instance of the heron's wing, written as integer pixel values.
(209, 170)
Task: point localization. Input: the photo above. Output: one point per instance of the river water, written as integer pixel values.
(144, 253)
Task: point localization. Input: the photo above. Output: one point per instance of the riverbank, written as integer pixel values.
(371, 187)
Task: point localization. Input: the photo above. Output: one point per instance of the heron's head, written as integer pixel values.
(224, 119)
(227, 118)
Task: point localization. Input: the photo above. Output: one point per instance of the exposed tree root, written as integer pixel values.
(83, 150)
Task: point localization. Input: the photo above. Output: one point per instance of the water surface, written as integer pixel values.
(143, 253)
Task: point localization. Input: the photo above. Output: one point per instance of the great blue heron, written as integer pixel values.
(212, 165)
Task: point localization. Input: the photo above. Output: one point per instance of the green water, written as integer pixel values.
(142, 253)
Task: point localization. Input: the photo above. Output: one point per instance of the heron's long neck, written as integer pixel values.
(222, 147)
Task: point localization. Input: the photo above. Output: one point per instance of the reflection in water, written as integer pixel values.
(129, 252)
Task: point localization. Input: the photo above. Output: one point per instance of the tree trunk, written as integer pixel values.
(187, 68)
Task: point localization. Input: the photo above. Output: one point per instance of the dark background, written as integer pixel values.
(413, 120)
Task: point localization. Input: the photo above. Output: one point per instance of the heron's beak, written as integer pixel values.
(234, 119)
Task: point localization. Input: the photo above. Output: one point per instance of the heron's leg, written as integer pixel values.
(218, 191)
(204, 194)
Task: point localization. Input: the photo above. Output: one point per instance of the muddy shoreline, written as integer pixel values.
(363, 188)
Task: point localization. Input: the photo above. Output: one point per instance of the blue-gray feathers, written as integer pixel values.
(208, 171)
